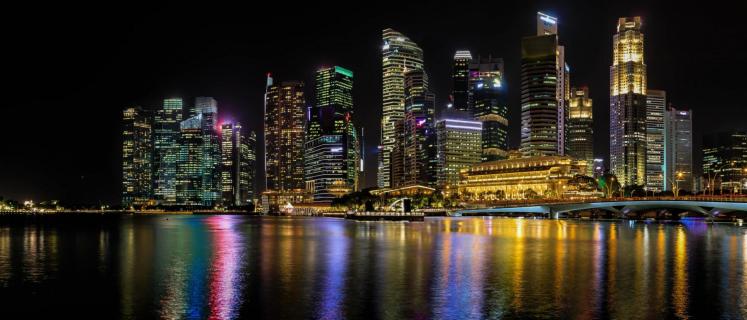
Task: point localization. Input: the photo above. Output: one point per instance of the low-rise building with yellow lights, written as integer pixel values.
(520, 178)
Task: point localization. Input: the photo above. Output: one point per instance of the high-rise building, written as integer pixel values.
(207, 108)
(459, 146)
(628, 104)
(725, 161)
(247, 167)
(332, 148)
(678, 149)
(656, 101)
(414, 156)
(189, 162)
(399, 54)
(488, 103)
(137, 152)
(238, 157)
(544, 91)
(548, 25)
(284, 135)
(460, 80)
(539, 101)
(581, 128)
(166, 149)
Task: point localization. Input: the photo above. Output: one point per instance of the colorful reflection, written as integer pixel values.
(227, 267)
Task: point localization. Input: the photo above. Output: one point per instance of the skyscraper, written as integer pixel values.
(488, 103)
(539, 101)
(207, 108)
(189, 162)
(137, 151)
(332, 148)
(284, 136)
(656, 101)
(678, 148)
(628, 104)
(460, 80)
(399, 54)
(548, 25)
(238, 157)
(415, 143)
(581, 128)
(166, 149)
(459, 146)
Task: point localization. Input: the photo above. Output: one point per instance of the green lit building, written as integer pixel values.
(331, 153)
(137, 152)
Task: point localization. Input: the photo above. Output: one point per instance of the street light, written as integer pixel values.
(676, 184)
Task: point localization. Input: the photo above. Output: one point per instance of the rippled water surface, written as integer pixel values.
(324, 268)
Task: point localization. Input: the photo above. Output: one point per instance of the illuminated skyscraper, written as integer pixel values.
(137, 152)
(459, 146)
(399, 54)
(539, 102)
(189, 162)
(284, 135)
(332, 149)
(238, 160)
(656, 101)
(415, 144)
(488, 103)
(581, 128)
(460, 79)
(207, 108)
(628, 104)
(548, 25)
(166, 150)
(678, 149)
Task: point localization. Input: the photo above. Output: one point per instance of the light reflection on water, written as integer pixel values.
(224, 267)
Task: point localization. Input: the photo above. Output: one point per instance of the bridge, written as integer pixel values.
(708, 207)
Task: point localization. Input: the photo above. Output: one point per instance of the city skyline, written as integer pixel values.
(85, 188)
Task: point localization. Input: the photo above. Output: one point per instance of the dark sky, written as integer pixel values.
(71, 68)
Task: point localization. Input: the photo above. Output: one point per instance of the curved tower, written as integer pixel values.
(399, 54)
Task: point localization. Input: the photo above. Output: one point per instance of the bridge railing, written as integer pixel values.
(526, 202)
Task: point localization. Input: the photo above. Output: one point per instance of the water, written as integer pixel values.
(322, 268)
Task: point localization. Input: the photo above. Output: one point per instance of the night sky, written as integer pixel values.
(71, 68)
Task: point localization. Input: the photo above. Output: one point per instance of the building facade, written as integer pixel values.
(399, 54)
(166, 149)
(284, 135)
(628, 104)
(539, 102)
(656, 101)
(725, 162)
(580, 128)
(489, 104)
(678, 141)
(459, 140)
(137, 153)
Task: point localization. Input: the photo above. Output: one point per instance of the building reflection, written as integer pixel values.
(225, 280)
